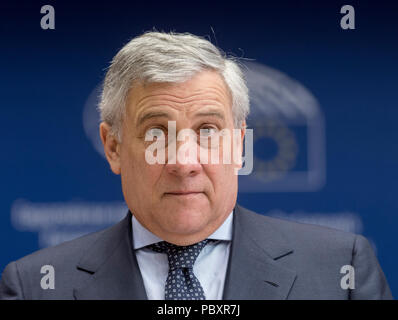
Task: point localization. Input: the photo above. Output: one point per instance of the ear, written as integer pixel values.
(242, 133)
(111, 147)
(238, 144)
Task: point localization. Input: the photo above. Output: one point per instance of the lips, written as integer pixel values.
(183, 193)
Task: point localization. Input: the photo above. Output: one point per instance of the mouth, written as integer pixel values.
(183, 193)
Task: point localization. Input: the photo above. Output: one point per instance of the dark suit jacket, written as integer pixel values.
(269, 259)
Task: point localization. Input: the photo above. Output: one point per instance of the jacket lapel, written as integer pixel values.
(255, 270)
(113, 265)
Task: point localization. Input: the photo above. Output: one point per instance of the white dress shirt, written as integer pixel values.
(210, 267)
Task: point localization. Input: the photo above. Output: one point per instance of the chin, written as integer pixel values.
(186, 220)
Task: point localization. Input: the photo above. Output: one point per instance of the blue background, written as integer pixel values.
(47, 75)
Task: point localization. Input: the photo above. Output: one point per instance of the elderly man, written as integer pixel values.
(184, 236)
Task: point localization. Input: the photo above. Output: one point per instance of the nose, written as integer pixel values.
(183, 159)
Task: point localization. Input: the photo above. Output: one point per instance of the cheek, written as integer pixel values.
(135, 170)
(222, 177)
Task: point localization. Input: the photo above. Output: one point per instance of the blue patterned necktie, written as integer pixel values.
(181, 283)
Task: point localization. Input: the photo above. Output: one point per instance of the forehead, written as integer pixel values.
(205, 88)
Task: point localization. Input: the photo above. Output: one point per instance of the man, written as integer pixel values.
(184, 236)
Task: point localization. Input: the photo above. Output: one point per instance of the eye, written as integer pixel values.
(208, 131)
(155, 132)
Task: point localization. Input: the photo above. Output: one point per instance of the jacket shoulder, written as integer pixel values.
(64, 253)
(304, 238)
(297, 229)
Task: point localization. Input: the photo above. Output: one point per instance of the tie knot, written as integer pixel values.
(180, 256)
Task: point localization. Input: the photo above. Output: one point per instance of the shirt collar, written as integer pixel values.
(143, 237)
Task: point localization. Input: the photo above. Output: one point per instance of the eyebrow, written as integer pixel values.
(150, 115)
(217, 114)
(159, 114)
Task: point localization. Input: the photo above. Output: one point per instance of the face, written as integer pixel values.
(185, 201)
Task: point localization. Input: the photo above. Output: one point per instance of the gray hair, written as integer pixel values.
(171, 58)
